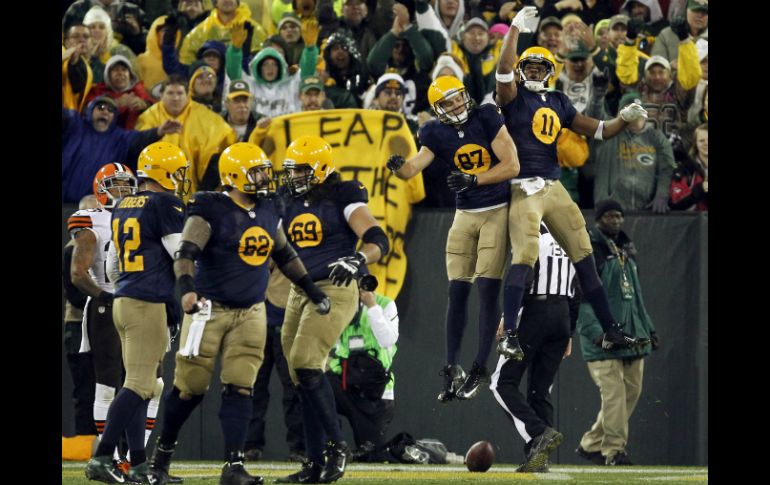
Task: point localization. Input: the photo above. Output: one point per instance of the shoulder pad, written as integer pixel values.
(350, 192)
(202, 203)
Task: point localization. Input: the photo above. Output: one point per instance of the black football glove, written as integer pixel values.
(460, 182)
(395, 162)
(680, 28)
(634, 27)
(345, 269)
(171, 26)
(601, 82)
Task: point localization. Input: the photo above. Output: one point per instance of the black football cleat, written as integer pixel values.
(594, 457)
(542, 446)
(619, 459)
(615, 338)
(477, 377)
(309, 473)
(160, 463)
(337, 457)
(233, 473)
(508, 346)
(454, 378)
(102, 469)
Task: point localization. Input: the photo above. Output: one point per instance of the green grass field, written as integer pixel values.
(207, 473)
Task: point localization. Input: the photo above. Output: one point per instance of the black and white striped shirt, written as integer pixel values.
(554, 274)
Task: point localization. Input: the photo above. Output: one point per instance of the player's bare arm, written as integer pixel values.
(363, 223)
(82, 257)
(505, 150)
(504, 77)
(603, 130)
(195, 235)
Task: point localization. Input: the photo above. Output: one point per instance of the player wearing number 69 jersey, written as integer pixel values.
(222, 272)
(476, 144)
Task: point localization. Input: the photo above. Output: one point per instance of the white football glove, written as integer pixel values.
(192, 346)
(523, 19)
(633, 112)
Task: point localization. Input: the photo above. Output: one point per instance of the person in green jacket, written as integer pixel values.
(619, 373)
(372, 332)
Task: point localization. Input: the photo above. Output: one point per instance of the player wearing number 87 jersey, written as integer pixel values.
(222, 273)
(476, 143)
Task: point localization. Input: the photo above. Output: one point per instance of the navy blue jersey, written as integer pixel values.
(470, 151)
(534, 122)
(139, 223)
(232, 269)
(319, 232)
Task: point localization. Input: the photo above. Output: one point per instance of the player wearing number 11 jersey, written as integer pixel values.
(476, 143)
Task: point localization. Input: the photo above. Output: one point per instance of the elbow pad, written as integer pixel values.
(375, 235)
(284, 255)
(187, 250)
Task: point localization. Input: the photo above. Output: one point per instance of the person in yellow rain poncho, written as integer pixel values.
(362, 140)
(204, 133)
(217, 26)
(151, 61)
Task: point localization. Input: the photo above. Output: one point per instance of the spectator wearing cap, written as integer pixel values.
(212, 52)
(440, 22)
(289, 29)
(549, 34)
(273, 84)
(102, 42)
(607, 54)
(345, 71)
(698, 112)
(218, 26)
(123, 85)
(189, 14)
(497, 32)
(203, 134)
(618, 27)
(353, 22)
(635, 167)
(238, 110)
(127, 20)
(478, 59)
(405, 51)
(312, 95)
(666, 98)
(76, 74)
(90, 139)
(203, 86)
(695, 25)
(150, 62)
(389, 94)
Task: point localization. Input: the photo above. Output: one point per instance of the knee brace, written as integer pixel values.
(231, 390)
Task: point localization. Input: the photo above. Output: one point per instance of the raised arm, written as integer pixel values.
(505, 82)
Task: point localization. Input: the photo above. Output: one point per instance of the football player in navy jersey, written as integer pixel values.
(325, 218)
(476, 142)
(227, 240)
(145, 232)
(534, 117)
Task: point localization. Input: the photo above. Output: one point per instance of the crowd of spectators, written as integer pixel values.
(222, 56)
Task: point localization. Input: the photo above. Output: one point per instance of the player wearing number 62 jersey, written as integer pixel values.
(222, 272)
(476, 142)
(145, 231)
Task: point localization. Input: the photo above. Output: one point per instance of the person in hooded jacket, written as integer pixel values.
(203, 86)
(218, 26)
(93, 137)
(103, 44)
(275, 89)
(212, 52)
(151, 70)
(122, 84)
(345, 70)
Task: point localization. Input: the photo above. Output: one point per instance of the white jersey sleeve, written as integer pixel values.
(97, 221)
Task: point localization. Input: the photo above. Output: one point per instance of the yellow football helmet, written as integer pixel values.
(539, 55)
(443, 89)
(310, 154)
(166, 164)
(239, 165)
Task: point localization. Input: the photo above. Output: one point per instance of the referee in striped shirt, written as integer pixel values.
(547, 321)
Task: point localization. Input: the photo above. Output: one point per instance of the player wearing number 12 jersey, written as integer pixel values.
(145, 232)
(476, 142)
(222, 273)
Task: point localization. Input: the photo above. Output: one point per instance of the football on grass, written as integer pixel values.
(480, 456)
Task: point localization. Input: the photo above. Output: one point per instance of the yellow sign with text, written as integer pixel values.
(361, 140)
